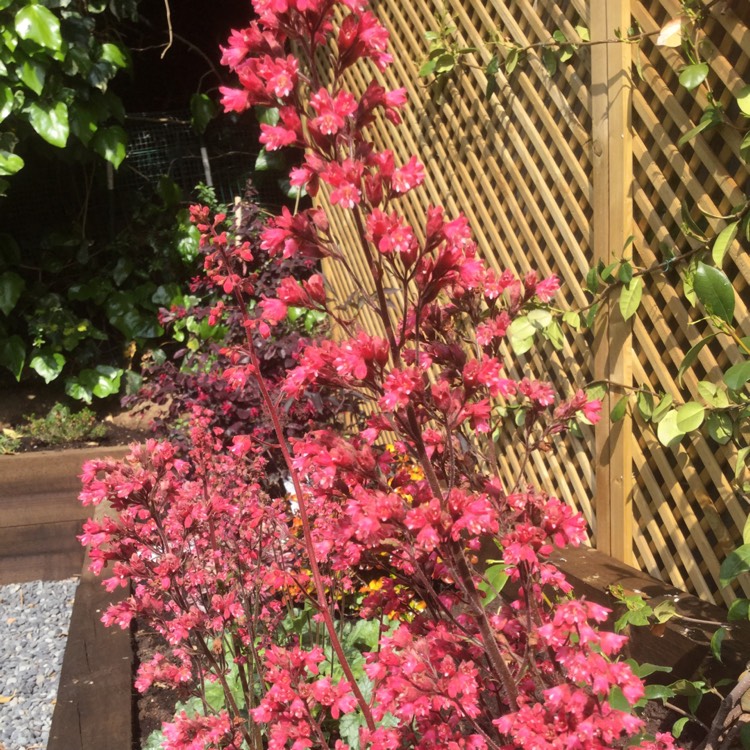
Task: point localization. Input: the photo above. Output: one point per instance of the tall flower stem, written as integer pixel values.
(273, 413)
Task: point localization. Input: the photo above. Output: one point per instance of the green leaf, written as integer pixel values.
(743, 100)
(630, 298)
(693, 76)
(549, 58)
(13, 355)
(267, 115)
(495, 580)
(11, 288)
(51, 122)
(273, 160)
(40, 25)
(618, 701)
(511, 60)
(48, 366)
(723, 242)
(592, 280)
(33, 74)
(427, 69)
(691, 356)
(690, 416)
(739, 610)
(737, 375)
(668, 432)
(720, 427)
(445, 63)
(521, 335)
(737, 562)
(745, 736)
(573, 319)
(658, 693)
(645, 403)
(110, 144)
(539, 318)
(646, 669)
(10, 163)
(662, 408)
(618, 412)
(713, 394)
(716, 640)
(7, 101)
(625, 273)
(113, 53)
(678, 726)
(742, 455)
(553, 333)
(203, 110)
(714, 291)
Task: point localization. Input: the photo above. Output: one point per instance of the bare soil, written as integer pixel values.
(20, 401)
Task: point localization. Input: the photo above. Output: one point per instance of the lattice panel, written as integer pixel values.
(687, 513)
(521, 167)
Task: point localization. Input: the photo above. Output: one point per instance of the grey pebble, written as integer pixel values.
(34, 620)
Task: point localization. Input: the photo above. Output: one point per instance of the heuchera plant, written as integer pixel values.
(190, 383)
(391, 521)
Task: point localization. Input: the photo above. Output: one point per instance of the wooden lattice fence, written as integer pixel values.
(556, 172)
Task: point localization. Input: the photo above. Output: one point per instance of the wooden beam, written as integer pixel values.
(611, 91)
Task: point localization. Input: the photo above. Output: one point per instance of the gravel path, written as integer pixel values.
(34, 620)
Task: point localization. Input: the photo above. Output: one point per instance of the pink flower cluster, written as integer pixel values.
(394, 516)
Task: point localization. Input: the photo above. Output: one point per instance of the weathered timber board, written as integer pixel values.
(94, 709)
(683, 645)
(40, 515)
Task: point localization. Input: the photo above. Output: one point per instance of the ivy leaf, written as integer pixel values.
(40, 25)
(48, 366)
(630, 298)
(51, 122)
(11, 287)
(113, 53)
(13, 355)
(715, 292)
(10, 163)
(110, 144)
(693, 76)
(33, 74)
(737, 375)
(7, 101)
(723, 242)
(737, 562)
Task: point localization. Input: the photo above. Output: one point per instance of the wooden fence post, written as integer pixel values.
(611, 92)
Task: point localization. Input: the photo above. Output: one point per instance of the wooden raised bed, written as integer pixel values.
(40, 515)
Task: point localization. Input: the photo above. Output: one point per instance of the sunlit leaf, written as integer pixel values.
(693, 76)
(715, 292)
(40, 25)
(737, 562)
(51, 122)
